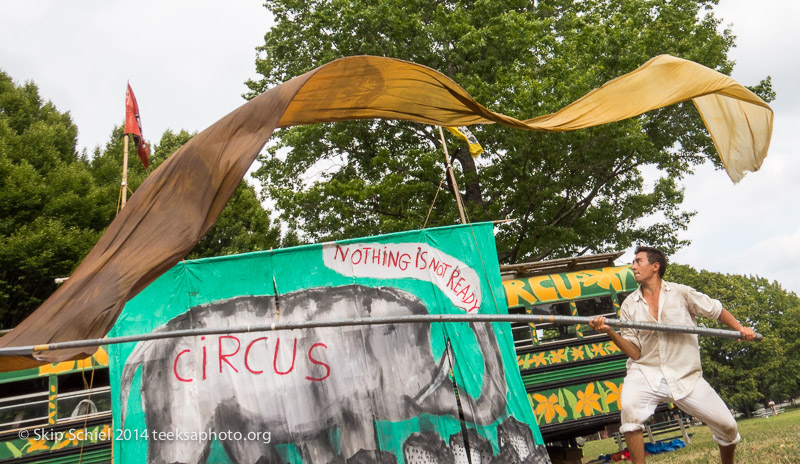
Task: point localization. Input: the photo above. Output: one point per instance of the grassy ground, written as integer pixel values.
(773, 440)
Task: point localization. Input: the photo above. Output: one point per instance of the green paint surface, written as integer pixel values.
(193, 283)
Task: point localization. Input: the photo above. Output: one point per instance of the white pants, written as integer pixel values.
(639, 402)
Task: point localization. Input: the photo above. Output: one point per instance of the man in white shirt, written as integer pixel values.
(665, 366)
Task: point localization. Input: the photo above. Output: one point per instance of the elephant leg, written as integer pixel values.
(321, 448)
(165, 417)
(357, 429)
(236, 431)
(251, 452)
(177, 452)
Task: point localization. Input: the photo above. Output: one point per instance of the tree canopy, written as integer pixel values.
(49, 214)
(568, 193)
(55, 202)
(747, 374)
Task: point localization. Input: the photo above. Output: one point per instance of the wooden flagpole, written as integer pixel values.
(453, 178)
(124, 170)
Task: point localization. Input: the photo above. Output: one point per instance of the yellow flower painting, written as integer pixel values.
(558, 356)
(588, 401)
(549, 407)
(614, 394)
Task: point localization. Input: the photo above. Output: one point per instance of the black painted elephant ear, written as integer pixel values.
(426, 448)
(480, 450)
(517, 445)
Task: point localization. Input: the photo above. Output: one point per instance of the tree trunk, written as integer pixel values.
(471, 182)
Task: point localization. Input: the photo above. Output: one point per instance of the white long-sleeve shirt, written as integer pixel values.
(675, 357)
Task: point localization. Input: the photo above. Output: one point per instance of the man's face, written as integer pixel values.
(642, 268)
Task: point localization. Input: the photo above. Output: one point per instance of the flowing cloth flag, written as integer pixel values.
(466, 135)
(177, 204)
(133, 126)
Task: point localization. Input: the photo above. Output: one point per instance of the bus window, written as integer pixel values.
(79, 394)
(552, 309)
(553, 332)
(519, 330)
(24, 403)
(591, 307)
(621, 297)
(545, 332)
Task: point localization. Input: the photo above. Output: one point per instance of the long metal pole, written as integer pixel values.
(359, 321)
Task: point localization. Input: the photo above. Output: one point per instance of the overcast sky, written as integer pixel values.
(187, 61)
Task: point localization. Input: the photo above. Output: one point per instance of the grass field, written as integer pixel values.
(773, 440)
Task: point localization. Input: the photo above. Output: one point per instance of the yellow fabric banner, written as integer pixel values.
(179, 202)
(466, 135)
(740, 123)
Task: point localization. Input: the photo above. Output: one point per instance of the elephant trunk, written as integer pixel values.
(132, 364)
(490, 405)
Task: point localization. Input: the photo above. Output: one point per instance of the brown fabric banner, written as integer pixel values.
(177, 204)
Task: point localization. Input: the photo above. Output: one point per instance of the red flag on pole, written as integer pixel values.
(133, 126)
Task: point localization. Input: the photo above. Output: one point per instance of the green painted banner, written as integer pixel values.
(389, 393)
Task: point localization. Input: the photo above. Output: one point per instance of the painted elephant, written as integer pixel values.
(322, 389)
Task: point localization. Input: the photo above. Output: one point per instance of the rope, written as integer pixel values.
(119, 200)
(88, 407)
(434, 200)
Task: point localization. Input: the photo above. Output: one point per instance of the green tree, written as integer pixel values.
(55, 202)
(747, 374)
(569, 193)
(49, 215)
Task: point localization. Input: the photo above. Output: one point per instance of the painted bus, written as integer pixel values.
(572, 374)
(57, 413)
(61, 413)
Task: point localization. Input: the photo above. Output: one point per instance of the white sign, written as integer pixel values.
(407, 260)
